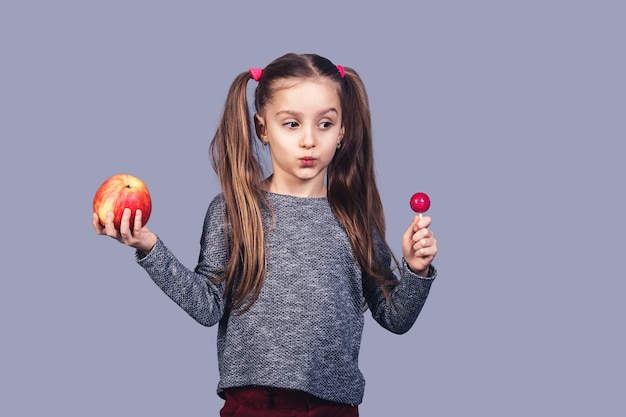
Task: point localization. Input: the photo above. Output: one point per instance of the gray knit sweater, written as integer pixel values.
(304, 330)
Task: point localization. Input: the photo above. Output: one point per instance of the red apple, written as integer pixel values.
(119, 192)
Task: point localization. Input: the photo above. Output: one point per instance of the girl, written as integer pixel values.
(289, 263)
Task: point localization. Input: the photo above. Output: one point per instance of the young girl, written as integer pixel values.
(289, 263)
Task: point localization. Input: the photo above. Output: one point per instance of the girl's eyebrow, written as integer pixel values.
(297, 113)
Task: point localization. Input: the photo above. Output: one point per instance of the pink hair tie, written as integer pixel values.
(256, 73)
(341, 70)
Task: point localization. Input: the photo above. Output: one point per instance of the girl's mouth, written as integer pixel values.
(307, 161)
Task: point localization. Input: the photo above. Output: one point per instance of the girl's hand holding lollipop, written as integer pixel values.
(419, 246)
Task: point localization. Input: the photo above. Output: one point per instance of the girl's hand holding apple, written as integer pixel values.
(137, 236)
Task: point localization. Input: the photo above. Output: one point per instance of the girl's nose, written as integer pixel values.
(308, 139)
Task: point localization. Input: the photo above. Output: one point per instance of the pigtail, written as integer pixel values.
(352, 190)
(240, 174)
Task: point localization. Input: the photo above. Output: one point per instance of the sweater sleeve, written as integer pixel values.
(406, 299)
(194, 290)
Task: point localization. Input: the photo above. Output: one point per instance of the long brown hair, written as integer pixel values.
(352, 191)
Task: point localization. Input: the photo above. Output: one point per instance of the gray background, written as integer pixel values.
(509, 114)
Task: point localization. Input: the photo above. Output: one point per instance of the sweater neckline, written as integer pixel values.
(289, 197)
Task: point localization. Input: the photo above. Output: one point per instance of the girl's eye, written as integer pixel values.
(291, 124)
(326, 125)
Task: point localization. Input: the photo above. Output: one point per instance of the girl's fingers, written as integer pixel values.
(422, 222)
(415, 226)
(137, 223)
(134, 234)
(109, 227)
(422, 234)
(95, 222)
(125, 225)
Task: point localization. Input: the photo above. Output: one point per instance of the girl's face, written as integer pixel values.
(302, 124)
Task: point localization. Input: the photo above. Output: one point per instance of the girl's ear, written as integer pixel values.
(259, 126)
(341, 133)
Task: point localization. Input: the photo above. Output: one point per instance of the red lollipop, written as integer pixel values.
(420, 203)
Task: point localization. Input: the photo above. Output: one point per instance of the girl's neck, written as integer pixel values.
(297, 190)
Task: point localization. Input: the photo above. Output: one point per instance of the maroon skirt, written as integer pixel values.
(268, 402)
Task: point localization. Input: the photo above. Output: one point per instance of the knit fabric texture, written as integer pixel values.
(304, 330)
